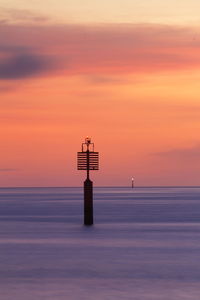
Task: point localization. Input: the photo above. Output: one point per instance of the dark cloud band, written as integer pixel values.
(96, 49)
(23, 66)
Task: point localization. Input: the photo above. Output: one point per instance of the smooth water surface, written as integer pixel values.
(145, 244)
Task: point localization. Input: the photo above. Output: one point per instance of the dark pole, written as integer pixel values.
(88, 163)
(88, 195)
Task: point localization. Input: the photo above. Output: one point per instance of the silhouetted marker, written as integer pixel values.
(88, 160)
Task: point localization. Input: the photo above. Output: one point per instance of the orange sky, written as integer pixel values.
(134, 88)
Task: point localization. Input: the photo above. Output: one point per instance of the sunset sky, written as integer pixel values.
(124, 72)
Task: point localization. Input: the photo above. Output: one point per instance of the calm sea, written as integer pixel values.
(145, 244)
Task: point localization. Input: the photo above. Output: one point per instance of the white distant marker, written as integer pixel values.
(132, 182)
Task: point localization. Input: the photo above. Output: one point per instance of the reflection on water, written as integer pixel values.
(145, 244)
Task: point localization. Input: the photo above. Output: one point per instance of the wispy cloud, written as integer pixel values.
(181, 153)
(8, 170)
(10, 16)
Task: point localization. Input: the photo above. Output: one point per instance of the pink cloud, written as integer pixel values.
(108, 49)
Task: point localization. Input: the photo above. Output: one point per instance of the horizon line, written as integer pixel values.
(104, 186)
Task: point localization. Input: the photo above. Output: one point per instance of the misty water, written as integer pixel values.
(145, 244)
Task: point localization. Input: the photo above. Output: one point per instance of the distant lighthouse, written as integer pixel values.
(132, 182)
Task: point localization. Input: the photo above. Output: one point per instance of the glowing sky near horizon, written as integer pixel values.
(125, 73)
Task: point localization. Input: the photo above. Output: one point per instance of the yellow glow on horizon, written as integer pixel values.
(113, 11)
